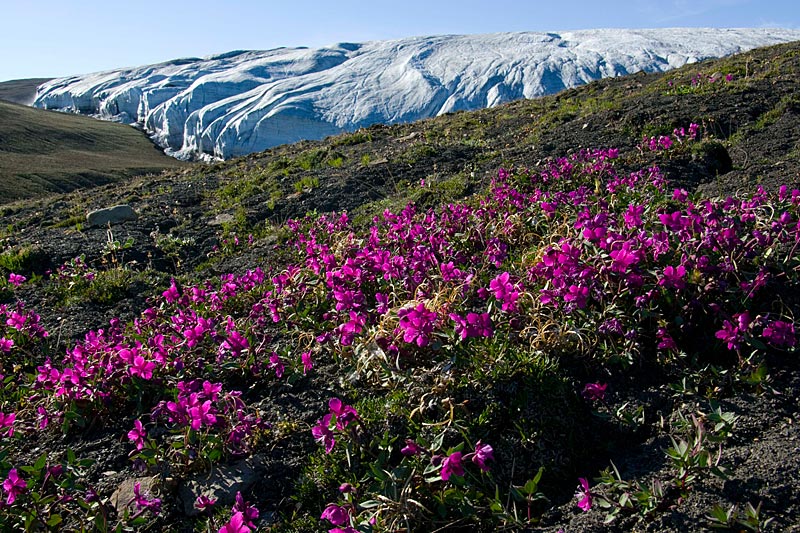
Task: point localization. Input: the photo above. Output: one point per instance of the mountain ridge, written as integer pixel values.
(241, 102)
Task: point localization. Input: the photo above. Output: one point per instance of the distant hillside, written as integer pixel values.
(20, 91)
(44, 152)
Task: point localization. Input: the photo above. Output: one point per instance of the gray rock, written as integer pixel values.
(111, 215)
(222, 484)
(222, 218)
(123, 497)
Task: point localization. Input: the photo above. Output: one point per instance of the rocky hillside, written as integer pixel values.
(595, 315)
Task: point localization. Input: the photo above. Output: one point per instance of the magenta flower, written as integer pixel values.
(505, 291)
(452, 466)
(335, 514)
(780, 333)
(6, 345)
(348, 529)
(171, 295)
(144, 501)
(665, 340)
(577, 296)
(731, 335)
(42, 417)
(633, 216)
(202, 414)
(382, 301)
(673, 277)
(137, 434)
(351, 328)
(203, 502)
(195, 334)
(323, 434)
(276, 363)
(417, 324)
(14, 486)
(235, 525)
(249, 512)
(16, 320)
(308, 364)
(344, 413)
(142, 368)
(474, 325)
(583, 495)
(7, 421)
(411, 448)
(211, 390)
(483, 453)
(16, 279)
(594, 391)
(236, 343)
(624, 257)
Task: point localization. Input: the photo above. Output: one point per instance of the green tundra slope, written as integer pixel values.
(43, 152)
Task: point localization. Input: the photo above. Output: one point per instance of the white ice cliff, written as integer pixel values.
(246, 101)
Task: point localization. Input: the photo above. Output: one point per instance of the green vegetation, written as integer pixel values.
(20, 260)
(44, 152)
(306, 183)
(20, 91)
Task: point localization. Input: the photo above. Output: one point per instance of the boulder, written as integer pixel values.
(110, 215)
(222, 484)
(124, 497)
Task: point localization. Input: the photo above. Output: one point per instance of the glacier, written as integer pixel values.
(240, 102)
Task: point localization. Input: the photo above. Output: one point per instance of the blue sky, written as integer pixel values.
(49, 38)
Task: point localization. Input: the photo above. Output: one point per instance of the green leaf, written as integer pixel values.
(719, 514)
(530, 487)
(369, 504)
(755, 343)
(40, 462)
(377, 473)
(624, 500)
(429, 469)
(138, 521)
(54, 520)
(437, 442)
(214, 455)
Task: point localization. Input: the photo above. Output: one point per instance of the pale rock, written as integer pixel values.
(111, 215)
(123, 497)
(222, 484)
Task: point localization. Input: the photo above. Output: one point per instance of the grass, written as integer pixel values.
(20, 91)
(44, 152)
